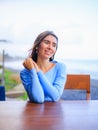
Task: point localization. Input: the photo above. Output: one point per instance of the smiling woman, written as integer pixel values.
(43, 77)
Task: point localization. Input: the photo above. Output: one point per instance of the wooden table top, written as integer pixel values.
(63, 115)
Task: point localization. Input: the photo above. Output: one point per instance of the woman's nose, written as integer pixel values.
(50, 46)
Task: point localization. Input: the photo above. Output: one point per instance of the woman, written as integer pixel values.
(43, 78)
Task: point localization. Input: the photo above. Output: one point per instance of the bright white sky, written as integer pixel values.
(74, 21)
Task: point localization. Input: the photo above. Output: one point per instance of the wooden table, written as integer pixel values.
(63, 115)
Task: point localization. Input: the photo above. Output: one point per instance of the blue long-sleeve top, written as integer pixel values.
(42, 87)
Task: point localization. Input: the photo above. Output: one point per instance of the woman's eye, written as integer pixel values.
(54, 45)
(46, 42)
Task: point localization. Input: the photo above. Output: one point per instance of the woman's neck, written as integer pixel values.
(44, 65)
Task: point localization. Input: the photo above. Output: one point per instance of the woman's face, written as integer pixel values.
(47, 47)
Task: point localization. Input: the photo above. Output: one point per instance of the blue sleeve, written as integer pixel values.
(32, 85)
(54, 90)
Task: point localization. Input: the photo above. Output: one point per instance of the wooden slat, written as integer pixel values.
(14, 94)
(78, 81)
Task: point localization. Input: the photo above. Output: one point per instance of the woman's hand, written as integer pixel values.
(29, 64)
(36, 67)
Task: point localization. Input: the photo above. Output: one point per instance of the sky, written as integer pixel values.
(75, 22)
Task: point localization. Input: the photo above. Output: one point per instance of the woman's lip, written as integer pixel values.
(48, 53)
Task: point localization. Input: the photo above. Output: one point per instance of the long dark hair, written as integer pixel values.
(33, 51)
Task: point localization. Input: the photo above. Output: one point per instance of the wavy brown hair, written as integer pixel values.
(33, 51)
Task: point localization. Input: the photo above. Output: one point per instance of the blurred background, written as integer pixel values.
(75, 22)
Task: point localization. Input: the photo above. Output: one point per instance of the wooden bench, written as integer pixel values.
(79, 82)
(14, 94)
